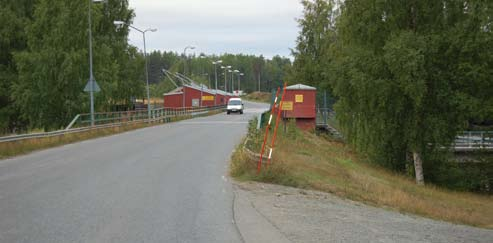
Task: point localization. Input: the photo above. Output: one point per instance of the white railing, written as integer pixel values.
(474, 140)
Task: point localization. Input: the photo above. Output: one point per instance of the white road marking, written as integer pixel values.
(212, 122)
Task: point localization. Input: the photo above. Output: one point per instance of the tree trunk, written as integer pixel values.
(418, 168)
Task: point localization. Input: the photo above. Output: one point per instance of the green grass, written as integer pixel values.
(264, 97)
(304, 160)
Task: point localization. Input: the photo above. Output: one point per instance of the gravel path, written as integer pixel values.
(311, 216)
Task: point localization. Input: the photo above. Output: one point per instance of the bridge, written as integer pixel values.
(466, 141)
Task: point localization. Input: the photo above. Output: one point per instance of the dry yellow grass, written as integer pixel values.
(9, 149)
(305, 160)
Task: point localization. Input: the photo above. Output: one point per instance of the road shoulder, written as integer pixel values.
(272, 213)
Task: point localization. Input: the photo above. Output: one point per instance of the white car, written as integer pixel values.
(234, 105)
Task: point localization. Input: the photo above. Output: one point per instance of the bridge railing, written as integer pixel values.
(82, 122)
(324, 115)
(474, 140)
(159, 114)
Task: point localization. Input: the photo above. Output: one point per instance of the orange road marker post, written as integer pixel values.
(259, 165)
(277, 124)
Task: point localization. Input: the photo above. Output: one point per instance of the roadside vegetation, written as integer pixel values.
(264, 97)
(15, 148)
(407, 76)
(10, 149)
(305, 160)
(44, 64)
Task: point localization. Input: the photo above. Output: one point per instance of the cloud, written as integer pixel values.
(265, 27)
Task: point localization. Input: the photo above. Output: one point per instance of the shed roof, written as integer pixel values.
(204, 88)
(300, 87)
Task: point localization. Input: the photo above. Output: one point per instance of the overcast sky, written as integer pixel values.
(266, 27)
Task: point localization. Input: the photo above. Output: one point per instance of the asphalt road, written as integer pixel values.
(165, 183)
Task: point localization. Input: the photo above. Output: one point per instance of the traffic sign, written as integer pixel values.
(88, 87)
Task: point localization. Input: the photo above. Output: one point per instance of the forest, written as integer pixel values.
(44, 63)
(407, 75)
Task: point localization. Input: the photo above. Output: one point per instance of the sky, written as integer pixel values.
(258, 27)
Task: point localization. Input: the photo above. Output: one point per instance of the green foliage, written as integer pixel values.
(44, 63)
(158, 89)
(472, 172)
(14, 15)
(312, 45)
(53, 66)
(407, 74)
(400, 92)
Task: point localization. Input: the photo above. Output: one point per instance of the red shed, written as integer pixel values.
(194, 96)
(299, 103)
(222, 97)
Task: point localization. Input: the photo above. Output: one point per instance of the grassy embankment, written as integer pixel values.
(10, 149)
(264, 97)
(304, 160)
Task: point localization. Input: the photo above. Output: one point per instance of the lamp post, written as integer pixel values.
(185, 62)
(121, 23)
(92, 81)
(239, 77)
(232, 83)
(215, 70)
(226, 68)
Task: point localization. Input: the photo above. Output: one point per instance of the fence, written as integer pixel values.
(324, 115)
(474, 140)
(82, 122)
(159, 114)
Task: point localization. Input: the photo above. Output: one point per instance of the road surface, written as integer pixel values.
(166, 183)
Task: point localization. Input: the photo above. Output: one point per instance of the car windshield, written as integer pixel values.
(234, 102)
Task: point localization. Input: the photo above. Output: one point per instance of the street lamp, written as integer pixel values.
(121, 23)
(232, 84)
(185, 54)
(226, 68)
(239, 76)
(92, 82)
(215, 70)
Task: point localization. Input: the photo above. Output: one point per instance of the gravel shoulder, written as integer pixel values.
(285, 214)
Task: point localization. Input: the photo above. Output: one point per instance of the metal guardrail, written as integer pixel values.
(125, 116)
(114, 119)
(465, 141)
(474, 140)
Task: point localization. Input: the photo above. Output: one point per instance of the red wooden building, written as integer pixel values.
(299, 103)
(194, 96)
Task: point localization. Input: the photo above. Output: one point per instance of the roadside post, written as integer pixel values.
(277, 124)
(259, 165)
